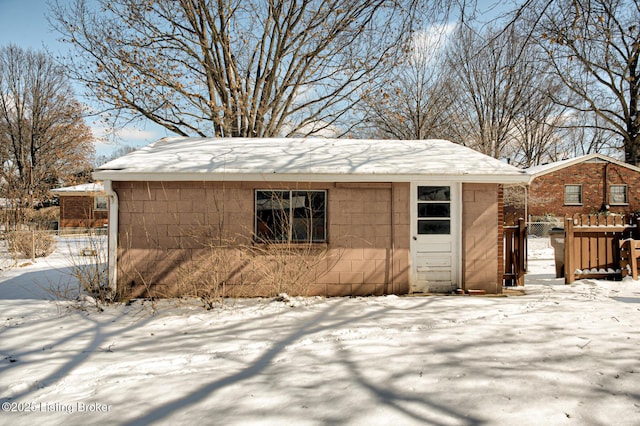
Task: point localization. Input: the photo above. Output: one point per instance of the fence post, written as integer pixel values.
(522, 251)
(569, 269)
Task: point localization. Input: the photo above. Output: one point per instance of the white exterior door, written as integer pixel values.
(435, 237)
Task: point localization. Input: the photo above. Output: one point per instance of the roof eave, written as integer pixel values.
(120, 175)
(578, 160)
(77, 193)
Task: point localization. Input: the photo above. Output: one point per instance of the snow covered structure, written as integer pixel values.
(386, 216)
(83, 206)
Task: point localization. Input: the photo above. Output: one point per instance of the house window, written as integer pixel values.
(100, 203)
(618, 194)
(573, 194)
(434, 210)
(296, 216)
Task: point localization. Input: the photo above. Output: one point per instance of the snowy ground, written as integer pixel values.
(556, 355)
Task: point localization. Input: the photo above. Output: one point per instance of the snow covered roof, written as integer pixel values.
(308, 159)
(79, 189)
(551, 167)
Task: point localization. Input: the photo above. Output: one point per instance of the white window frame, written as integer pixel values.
(579, 202)
(290, 232)
(625, 193)
(432, 218)
(97, 203)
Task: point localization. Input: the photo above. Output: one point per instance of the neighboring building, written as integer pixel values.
(83, 206)
(584, 185)
(384, 216)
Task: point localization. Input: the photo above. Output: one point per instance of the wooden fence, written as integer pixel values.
(515, 250)
(592, 245)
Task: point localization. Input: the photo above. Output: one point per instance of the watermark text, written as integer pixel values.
(55, 407)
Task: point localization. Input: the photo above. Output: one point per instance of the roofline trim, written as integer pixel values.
(582, 159)
(305, 177)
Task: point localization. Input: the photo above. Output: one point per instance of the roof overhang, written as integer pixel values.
(86, 189)
(114, 175)
(78, 194)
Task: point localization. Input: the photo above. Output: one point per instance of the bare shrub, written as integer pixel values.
(207, 275)
(287, 267)
(89, 266)
(31, 244)
(223, 267)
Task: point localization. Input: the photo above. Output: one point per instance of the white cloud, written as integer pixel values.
(431, 42)
(108, 139)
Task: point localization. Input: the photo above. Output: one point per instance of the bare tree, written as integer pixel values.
(590, 134)
(43, 137)
(499, 96)
(594, 46)
(541, 127)
(234, 67)
(483, 89)
(410, 104)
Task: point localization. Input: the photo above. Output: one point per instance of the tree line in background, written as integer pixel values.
(44, 139)
(552, 80)
(548, 80)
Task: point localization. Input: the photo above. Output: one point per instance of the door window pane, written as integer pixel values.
(434, 210)
(434, 193)
(434, 227)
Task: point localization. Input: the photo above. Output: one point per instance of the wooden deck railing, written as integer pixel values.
(629, 254)
(592, 245)
(515, 250)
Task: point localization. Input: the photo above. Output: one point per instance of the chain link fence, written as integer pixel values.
(541, 227)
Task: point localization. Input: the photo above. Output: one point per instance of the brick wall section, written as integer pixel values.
(77, 211)
(165, 229)
(546, 193)
(481, 237)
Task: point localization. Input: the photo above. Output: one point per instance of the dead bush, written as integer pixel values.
(209, 268)
(89, 266)
(31, 244)
(287, 267)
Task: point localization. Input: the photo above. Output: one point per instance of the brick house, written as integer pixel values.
(583, 185)
(193, 215)
(83, 206)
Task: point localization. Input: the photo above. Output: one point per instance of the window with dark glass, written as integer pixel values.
(297, 216)
(100, 203)
(618, 194)
(434, 210)
(573, 194)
